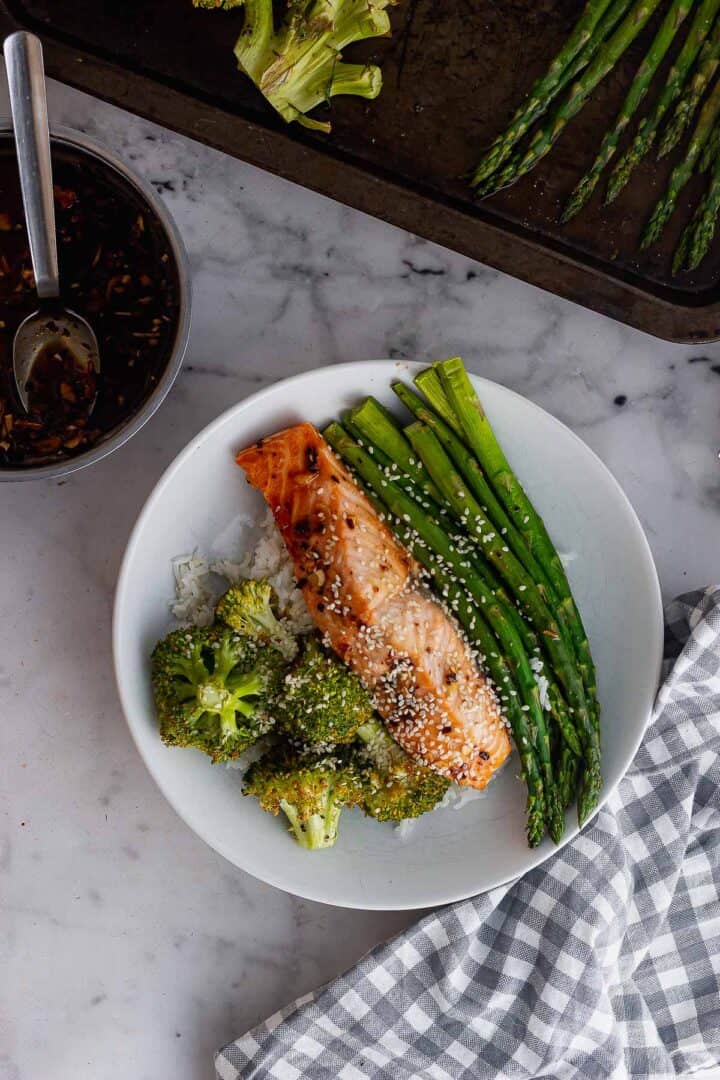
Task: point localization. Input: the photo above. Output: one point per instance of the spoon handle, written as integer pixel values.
(26, 80)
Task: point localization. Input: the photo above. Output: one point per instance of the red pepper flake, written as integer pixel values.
(64, 197)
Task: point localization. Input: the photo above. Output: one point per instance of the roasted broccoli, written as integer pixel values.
(395, 785)
(323, 703)
(311, 792)
(297, 65)
(213, 689)
(250, 607)
(215, 5)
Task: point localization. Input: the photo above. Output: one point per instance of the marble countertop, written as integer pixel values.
(129, 948)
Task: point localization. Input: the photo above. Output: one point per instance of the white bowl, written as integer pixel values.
(449, 854)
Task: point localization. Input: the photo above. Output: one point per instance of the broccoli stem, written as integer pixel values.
(225, 697)
(317, 831)
(298, 66)
(245, 684)
(255, 39)
(363, 80)
(228, 721)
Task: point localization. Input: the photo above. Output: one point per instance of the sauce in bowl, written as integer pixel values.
(117, 270)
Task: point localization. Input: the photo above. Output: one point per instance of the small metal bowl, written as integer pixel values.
(118, 435)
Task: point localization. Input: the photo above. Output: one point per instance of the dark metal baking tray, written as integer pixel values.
(453, 72)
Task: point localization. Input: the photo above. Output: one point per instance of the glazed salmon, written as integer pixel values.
(365, 596)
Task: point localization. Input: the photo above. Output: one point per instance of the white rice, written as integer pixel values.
(194, 597)
(242, 764)
(456, 796)
(199, 579)
(543, 685)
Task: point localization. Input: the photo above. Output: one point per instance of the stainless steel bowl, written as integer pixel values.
(120, 434)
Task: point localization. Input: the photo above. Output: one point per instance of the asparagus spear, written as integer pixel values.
(379, 427)
(424, 539)
(648, 128)
(459, 498)
(480, 436)
(605, 60)
(682, 172)
(476, 481)
(543, 90)
(604, 28)
(428, 381)
(698, 235)
(376, 422)
(525, 593)
(393, 471)
(710, 150)
(676, 14)
(558, 708)
(691, 96)
(377, 419)
(567, 775)
(681, 251)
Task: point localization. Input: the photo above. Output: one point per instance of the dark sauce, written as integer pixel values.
(62, 391)
(116, 270)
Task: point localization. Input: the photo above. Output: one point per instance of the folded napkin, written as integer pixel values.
(602, 962)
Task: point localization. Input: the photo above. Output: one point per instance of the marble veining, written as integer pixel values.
(129, 949)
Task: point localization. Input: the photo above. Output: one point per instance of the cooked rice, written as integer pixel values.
(543, 685)
(199, 580)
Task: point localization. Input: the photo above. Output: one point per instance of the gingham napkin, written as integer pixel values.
(602, 962)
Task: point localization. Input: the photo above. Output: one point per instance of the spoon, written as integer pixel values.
(53, 335)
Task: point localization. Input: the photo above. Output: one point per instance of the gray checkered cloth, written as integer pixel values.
(602, 962)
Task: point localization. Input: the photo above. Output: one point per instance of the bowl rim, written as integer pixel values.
(121, 597)
(117, 437)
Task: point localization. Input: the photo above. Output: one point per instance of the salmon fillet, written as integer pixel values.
(364, 594)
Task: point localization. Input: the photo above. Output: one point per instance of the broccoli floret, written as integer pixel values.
(297, 64)
(215, 5)
(395, 785)
(323, 703)
(311, 792)
(250, 608)
(213, 688)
